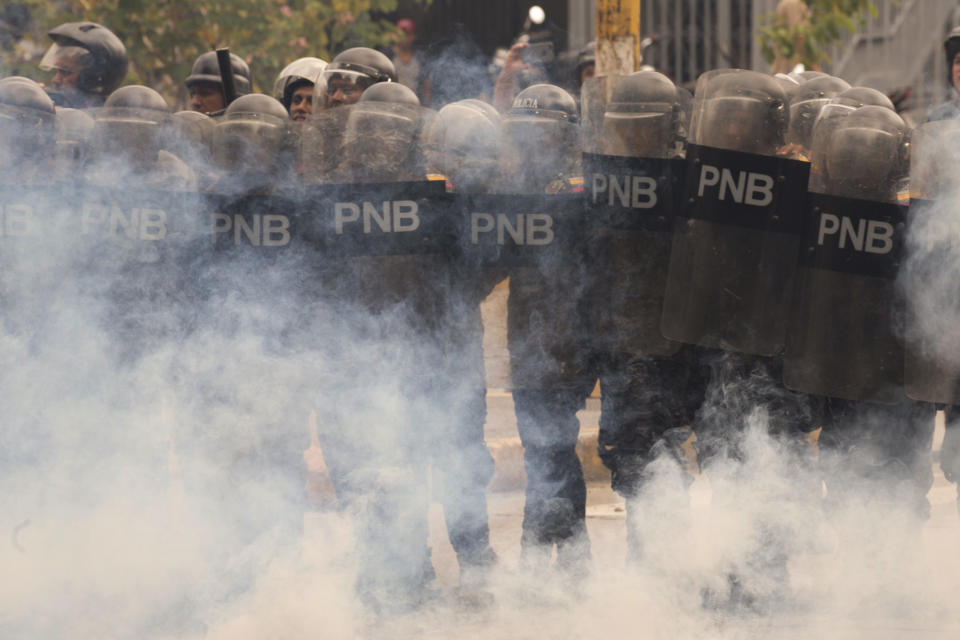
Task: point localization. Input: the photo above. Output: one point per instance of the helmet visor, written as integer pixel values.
(639, 135)
(66, 62)
(340, 87)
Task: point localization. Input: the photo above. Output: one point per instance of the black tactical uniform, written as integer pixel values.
(389, 305)
(463, 146)
(650, 385)
(546, 332)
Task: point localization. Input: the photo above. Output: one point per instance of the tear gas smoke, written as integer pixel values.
(154, 421)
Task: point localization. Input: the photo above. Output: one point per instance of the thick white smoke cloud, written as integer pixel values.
(141, 497)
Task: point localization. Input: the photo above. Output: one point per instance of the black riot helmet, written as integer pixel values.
(866, 155)
(252, 135)
(643, 116)
(540, 134)
(806, 101)
(349, 74)
(951, 47)
(739, 110)
(101, 56)
(131, 125)
(27, 123)
(586, 57)
(294, 75)
(463, 143)
(382, 135)
(207, 69)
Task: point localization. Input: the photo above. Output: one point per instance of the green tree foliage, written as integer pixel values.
(809, 42)
(164, 37)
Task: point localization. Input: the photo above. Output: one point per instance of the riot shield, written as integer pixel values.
(534, 231)
(321, 145)
(254, 146)
(927, 279)
(806, 102)
(74, 133)
(737, 235)
(845, 337)
(632, 177)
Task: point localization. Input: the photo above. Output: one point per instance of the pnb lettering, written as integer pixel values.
(260, 230)
(112, 221)
(632, 192)
(868, 236)
(18, 220)
(399, 216)
(523, 229)
(743, 187)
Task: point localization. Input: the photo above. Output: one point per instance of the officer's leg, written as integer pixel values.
(463, 469)
(643, 413)
(556, 495)
(380, 479)
(907, 444)
(950, 450)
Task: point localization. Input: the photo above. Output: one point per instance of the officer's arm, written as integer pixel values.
(505, 87)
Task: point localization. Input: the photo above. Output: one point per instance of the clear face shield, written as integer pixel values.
(191, 138)
(649, 134)
(66, 63)
(380, 141)
(863, 162)
(538, 149)
(339, 87)
(803, 115)
(133, 135)
(740, 124)
(308, 69)
(25, 135)
(464, 146)
(248, 142)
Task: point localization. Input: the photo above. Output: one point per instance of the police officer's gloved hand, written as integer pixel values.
(950, 453)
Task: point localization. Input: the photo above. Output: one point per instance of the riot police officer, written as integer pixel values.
(650, 384)
(254, 147)
(390, 299)
(206, 86)
(549, 355)
(463, 145)
(950, 108)
(732, 270)
(128, 139)
(88, 61)
(351, 72)
(74, 138)
(294, 86)
(875, 443)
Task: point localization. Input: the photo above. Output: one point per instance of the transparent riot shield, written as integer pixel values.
(846, 334)
(806, 102)
(632, 178)
(927, 280)
(534, 228)
(737, 234)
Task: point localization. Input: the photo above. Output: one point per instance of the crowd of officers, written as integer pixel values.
(690, 322)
